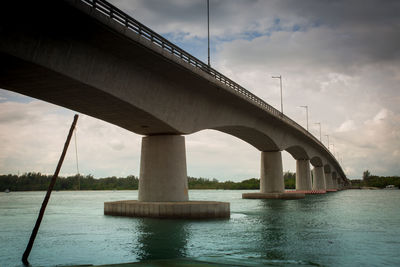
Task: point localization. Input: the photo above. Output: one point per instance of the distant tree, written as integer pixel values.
(366, 175)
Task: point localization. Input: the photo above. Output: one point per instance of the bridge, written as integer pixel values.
(91, 57)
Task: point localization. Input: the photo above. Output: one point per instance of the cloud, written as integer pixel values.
(116, 144)
(32, 135)
(346, 126)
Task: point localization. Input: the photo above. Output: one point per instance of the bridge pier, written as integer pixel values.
(329, 182)
(271, 181)
(303, 176)
(339, 183)
(163, 174)
(319, 184)
(335, 183)
(163, 187)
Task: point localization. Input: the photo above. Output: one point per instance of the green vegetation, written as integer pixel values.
(36, 181)
(370, 180)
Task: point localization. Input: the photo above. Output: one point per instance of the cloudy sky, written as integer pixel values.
(340, 58)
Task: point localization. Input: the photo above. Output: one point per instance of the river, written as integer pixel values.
(346, 228)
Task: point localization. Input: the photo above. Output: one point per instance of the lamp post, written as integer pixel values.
(327, 136)
(280, 79)
(306, 107)
(333, 149)
(320, 139)
(208, 30)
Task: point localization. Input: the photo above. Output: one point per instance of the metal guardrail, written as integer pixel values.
(130, 23)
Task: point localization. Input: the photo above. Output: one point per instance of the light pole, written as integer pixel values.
(320, 139)
(208, 30)
(327, 136)
(333, 149)
(306, 107)
(280, 79)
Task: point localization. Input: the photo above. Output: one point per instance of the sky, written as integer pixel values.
(341, 58)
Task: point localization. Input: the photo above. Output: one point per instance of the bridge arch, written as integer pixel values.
(254, 137)
(316, 161)
(298, 152)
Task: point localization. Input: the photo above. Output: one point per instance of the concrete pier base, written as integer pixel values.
(171, 210)
(271, 182)
(319, 179)
(163, 187)
(309, 192)
(284, 195)
(331, 190)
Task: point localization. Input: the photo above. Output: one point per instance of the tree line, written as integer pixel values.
(33, 181)
(370, 180)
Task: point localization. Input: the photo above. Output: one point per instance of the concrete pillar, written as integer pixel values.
(319, 178)
(163, 175)
(271, 173)
(339, 183)
(334, 183)
(303, 175)
(328, 180)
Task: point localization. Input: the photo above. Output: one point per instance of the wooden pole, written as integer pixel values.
(47, 197)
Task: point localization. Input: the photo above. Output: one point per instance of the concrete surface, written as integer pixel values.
(303, 175)
(271, 180)
(309, 192)
(163, 175)
(282, 195)
(173, 210)
(328, 181)
(319, 179)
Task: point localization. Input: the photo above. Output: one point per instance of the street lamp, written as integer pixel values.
(320, 139)
(327, 135)
(306, 107)
(208, 30)
(333, 149)
(280, 79)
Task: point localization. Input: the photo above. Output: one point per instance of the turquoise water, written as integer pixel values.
(347, 228)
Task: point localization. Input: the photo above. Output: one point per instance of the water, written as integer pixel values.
(347, 228)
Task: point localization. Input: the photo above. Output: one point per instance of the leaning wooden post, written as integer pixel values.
(47, 197)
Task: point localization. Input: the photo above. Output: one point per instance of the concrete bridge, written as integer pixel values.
(89, 56)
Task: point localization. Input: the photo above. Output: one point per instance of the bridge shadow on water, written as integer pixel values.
(288, 231)
(273, 233)
(166, 239)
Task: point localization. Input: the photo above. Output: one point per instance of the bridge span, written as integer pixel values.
(89, 56)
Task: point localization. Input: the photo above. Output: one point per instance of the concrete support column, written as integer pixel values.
(339, 183)
(303, 175)
(271, 180)
(334, 183)
(328, 180)
(163, 175)
(272, 185)
(319, 178)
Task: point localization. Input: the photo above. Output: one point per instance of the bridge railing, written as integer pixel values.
(130, 23)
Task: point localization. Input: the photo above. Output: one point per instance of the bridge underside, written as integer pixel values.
(32, 80)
